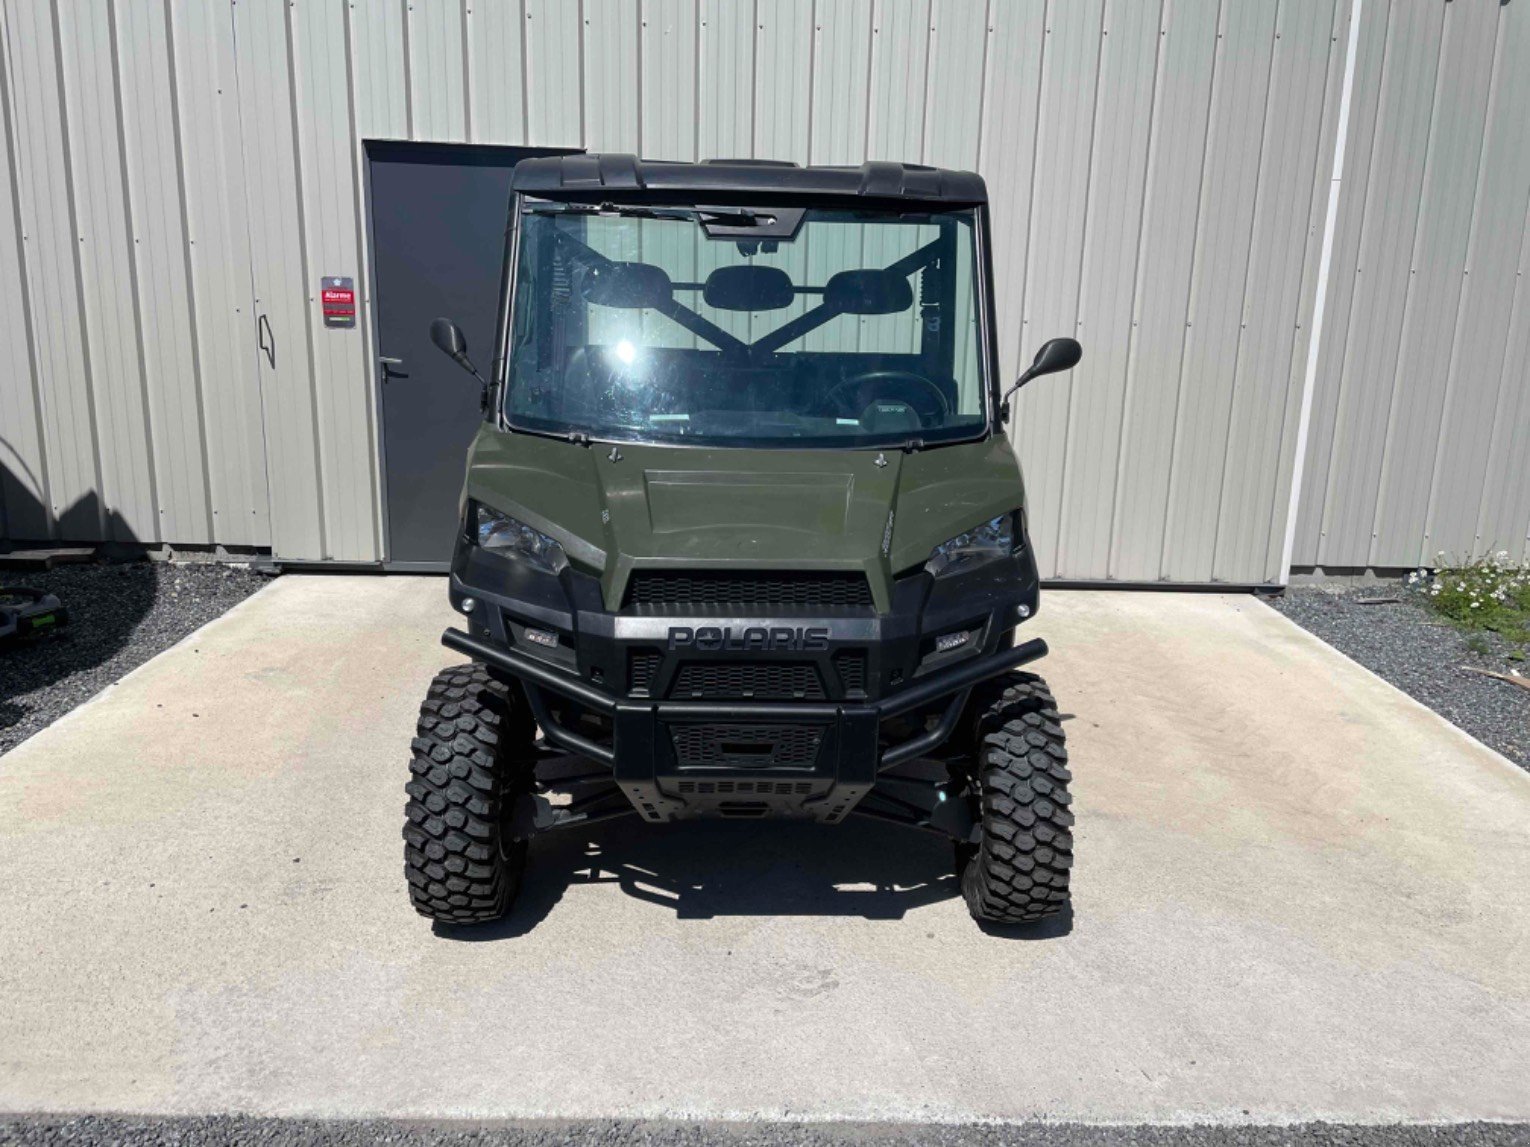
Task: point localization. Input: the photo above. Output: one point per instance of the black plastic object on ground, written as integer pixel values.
(25, 611)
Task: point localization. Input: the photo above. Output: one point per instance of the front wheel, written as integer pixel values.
(1018, 871)
(472, 758)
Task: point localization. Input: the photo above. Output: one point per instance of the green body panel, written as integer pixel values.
(688, 507)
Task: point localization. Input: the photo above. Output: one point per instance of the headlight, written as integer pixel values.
(504, 535)
(995, 538)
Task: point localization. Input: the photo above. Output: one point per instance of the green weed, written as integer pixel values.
(1489, 593)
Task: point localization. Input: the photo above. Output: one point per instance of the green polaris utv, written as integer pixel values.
(742, 533)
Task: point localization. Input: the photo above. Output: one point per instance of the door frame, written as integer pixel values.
(384, 149)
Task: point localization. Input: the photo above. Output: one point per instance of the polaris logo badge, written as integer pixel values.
(755, 638)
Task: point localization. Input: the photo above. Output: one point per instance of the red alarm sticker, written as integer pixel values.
(337, 301)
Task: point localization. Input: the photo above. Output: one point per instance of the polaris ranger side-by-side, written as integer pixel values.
(742, 533)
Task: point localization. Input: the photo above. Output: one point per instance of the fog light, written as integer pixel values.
(468, 605)
(951, 641)
(542, 637)
(1024, 611)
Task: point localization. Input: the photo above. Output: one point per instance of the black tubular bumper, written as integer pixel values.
(848, 754)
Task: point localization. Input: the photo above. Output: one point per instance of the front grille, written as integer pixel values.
(759, 746)
(755, 591)
(851, 667)
(746, 681)
(642, 665)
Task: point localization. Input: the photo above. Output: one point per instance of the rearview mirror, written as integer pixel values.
(627, 286)
(453, 343)
(1054, 355)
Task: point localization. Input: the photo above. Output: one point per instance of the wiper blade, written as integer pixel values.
(732, 216)
(626, 210)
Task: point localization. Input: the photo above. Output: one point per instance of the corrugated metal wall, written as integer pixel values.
(1159, 170)
(1420, 431)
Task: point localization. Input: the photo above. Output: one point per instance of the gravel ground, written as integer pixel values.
(120, 615)
(194, 1132)
(1422, 655)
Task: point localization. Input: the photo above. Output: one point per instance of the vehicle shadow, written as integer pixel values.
(705, 869)
(105, 604)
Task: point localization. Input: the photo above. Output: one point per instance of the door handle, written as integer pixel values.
(266, 339)
(388, 362)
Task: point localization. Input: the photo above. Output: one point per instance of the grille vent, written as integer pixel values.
(733, 746)
(642, 665)
(744, 681)
(851, 667)
(757, 591)
(758, 788)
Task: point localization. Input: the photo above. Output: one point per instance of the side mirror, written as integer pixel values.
(1054, 355)
(453, 343)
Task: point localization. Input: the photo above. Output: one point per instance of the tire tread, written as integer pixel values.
(1020, 868)
(460, 775)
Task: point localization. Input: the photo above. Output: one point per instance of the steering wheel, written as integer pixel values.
(892, 380)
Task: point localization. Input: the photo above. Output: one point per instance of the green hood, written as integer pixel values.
(691, 507)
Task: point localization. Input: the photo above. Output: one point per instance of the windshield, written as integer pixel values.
(765, 326)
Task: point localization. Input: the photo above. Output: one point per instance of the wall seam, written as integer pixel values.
(1255, 217)
(873, 34)
(366, 314)
(813, 30)
(696, 82)
(1325, 517)
(325, 547)
(158, 510)
(926, 94)
(1505, 372)
(44, 483)
(467, 71)
(79, 271)
(1030, 202)
(272, 514)
(1409, 295)
(525, 48)
(1137, 271)
(197, 373)
(405, 8)
(1301, 289)
(983, 79)
(640, 39)
(1453, 364)
(1207, 144)
(1078, 294)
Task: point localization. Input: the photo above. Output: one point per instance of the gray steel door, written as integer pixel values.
(438, 226)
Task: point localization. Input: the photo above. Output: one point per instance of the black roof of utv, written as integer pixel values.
(626, 177)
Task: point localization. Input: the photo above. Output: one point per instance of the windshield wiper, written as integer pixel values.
(732, 216)
(625, 210)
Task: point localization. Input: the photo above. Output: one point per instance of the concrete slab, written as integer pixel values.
(1299, 895)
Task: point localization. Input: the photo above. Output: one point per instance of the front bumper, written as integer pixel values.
(822, 703)
(834, 749)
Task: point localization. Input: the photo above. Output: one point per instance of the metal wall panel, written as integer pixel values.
(94, 162)
(160, 294)
(1420, 421)
(1157, 167)
(25, 503)
(1064, 155)
(206, 122)
(79, 500)
(725, 78)
(1306, 76)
